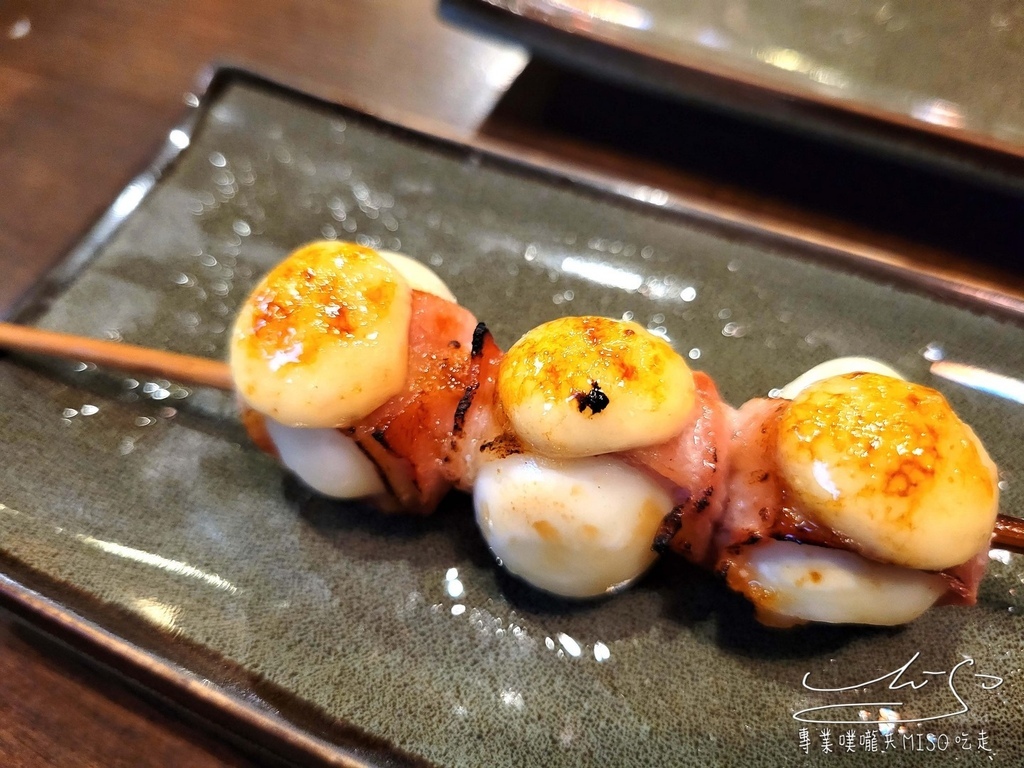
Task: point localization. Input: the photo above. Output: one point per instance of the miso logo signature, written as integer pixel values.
(904, 678)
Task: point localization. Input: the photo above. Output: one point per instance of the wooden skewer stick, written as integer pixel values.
(126, 357)
(1008, 533)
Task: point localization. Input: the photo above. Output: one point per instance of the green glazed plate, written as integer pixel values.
(138, 522)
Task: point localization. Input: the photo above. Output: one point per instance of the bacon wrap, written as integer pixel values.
(759, 507)
(410, 437)
(696, 463)
(480, 424)
(256, 425)
(964, 580)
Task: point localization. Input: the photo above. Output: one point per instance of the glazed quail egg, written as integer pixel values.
(584, 386)
(323, 339)
(887, 463)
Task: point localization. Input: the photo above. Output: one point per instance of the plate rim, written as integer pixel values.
(251, 727)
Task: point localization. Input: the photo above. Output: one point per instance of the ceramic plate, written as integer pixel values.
(137, 520)
(952, 70)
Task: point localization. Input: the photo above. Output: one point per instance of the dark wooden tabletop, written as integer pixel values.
(88, 92)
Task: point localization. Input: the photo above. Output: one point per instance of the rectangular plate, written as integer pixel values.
(890, 73)
(137, 520)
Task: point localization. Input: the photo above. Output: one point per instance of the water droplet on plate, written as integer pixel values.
(933, 353)
(178, 138)
(569, 644)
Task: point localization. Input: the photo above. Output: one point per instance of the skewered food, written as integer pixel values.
(372, 358)
(887, 491)
(856, 497)
(602, 415)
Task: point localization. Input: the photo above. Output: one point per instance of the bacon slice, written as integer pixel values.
(479, 430)
(696, 463)
(411, 437)
(255, 424)
(755, 496)
(964, 580)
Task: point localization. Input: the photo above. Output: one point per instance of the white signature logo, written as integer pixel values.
(900, 678)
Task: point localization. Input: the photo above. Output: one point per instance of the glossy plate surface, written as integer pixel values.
(950, 68)
(142, 505)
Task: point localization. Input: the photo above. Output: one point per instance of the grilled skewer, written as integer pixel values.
(1008, 533)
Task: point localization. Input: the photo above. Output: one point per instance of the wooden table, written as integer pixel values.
(88, 92)
(90, 89)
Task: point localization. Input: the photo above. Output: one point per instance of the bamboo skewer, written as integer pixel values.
(1008, 533)
(170, 365)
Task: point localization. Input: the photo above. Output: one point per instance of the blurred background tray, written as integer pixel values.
(943, 81)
